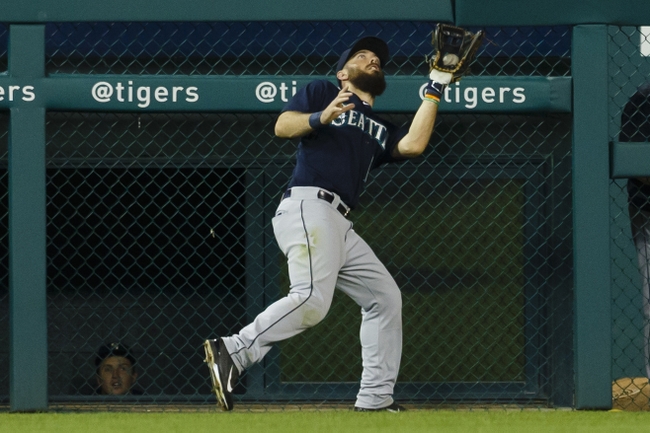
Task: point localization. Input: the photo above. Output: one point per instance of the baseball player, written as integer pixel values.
(341, 140)
(635, 127)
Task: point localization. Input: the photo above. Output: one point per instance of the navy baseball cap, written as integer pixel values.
(113, 349)
(370, 43)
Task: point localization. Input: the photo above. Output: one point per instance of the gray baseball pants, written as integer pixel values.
(324, 253)
(640, 220)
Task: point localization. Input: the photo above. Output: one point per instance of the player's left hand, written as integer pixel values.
(455, 50)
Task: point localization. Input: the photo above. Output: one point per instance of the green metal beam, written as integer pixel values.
(629, 160)
(551, 12)
(27, 256)
(463, 12)
(223, 10)
(592, 302)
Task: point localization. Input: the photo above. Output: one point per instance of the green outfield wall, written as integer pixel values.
(521, 176)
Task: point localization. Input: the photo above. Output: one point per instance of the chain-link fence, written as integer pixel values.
(4, 33)
(158, 225)
(629, 69)
(4, 258)
(4, 233)
(284, 48)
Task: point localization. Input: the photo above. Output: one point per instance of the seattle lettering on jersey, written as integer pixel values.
(353, 118)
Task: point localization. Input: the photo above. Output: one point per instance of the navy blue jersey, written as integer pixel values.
(339, 156)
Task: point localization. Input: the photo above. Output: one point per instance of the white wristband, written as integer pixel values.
(440, 77)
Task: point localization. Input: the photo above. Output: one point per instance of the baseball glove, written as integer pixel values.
(631, 394)
(455, 49)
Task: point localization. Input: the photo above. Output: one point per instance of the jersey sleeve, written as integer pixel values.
(395, 134)
(315, 96)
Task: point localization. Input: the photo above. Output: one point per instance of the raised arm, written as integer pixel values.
(455, 50)
(417, 139)
(292, 124)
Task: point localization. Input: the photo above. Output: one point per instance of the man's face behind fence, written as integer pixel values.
(115, 376)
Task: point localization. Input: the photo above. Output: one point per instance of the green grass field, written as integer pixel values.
(443, 421)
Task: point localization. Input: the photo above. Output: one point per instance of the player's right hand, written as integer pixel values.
(337, 107)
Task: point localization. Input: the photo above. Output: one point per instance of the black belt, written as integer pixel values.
(328, 197)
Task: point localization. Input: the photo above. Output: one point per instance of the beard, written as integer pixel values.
(373, 83)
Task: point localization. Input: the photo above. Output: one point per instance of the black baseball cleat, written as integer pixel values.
(223, 372)
(392, 408)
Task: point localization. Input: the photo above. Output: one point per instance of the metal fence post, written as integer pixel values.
(591, 218)
(27, 275)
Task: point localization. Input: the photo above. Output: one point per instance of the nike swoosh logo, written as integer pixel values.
(229, 384)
